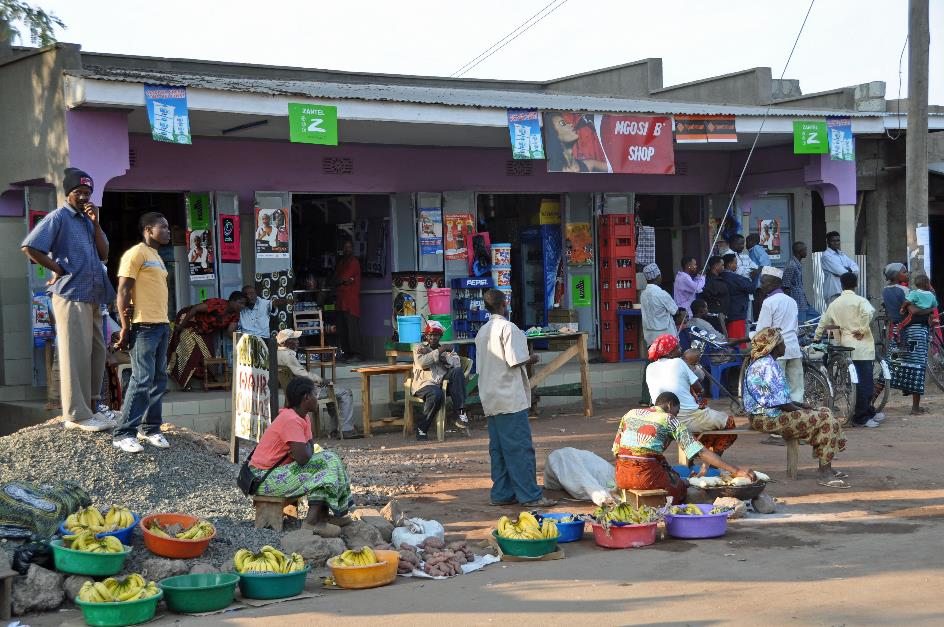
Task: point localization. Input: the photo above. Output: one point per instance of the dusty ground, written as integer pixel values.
(868, 555)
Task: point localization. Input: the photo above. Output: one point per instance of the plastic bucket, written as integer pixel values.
(440, 300)
(174, 548)
(120, 614)
(625, 536)
(501, 255)
(87, 563)
(265, 586)
(691, 527)
(410, 329)
(124, 535)
(446, 321)
(194, 594)
(569, 531)
(501, 277)
(526, 548)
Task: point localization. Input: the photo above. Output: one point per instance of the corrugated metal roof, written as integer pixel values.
(483, 98)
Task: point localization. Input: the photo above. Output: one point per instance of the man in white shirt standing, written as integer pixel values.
(659, 313)
(254, 319)
(501, 351)
(780, 312)
(835, 263)
(745, 265)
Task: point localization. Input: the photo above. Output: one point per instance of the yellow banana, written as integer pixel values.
(131, 593)
(103, 590)
(549, 529)
(87, 592)
(112, 544)
(155, 528)
(239, 560)
(527, 520)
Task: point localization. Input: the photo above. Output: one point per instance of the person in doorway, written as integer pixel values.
(255, 318)
(779, 311)
(688, 283)
(347, 278)
(740, 290)
(288, 360)
(908, 335)
(835, 263)
(715, 292)
(70, 243)
(502, 352)
(851, 315)
(640, 444)
(660, 316)
(145, 331)
(195, 328)
(793, 286)
(433, 363)
(300, 467)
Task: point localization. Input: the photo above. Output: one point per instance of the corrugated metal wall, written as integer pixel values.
(817, 296)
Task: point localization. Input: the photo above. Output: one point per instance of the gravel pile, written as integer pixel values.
(193, 476)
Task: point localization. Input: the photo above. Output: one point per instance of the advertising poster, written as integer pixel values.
(39, 272)
(251, 391)
(167, 113)
(431, 231)
(524, 126)
(624, 144)
(200, 254)
(704, 129)
(841, 141)
(198, 211)
(229, 238)
(581, 290)
(272, 233)
(769, 233)
(459, 229)
(43, 326)
(313, 124)
(579, 244)
(810, 137)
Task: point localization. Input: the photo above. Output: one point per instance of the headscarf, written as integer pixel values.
(662, 346)
(434, 326)
(892, 271)
(764, 342)
(651, 271)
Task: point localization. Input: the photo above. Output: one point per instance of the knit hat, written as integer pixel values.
(651, 271)
(75, 177)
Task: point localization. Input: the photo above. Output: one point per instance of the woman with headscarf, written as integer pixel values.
(767, 401)
(669, 372)
(195, 335)
(907, 336)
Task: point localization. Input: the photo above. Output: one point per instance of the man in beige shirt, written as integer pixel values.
(502, 353)
(432, 363)
(852, 315)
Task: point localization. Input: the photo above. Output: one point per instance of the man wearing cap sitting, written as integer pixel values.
(779, 311)
(70, 243)
(431, 364)
(288, 359)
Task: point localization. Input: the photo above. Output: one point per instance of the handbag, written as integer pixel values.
(247, 481)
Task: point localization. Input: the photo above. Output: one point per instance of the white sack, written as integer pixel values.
(585, 476)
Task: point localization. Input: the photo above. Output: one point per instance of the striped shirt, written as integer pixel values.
(793, 283)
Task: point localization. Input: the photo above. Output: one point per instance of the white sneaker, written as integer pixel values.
(155, 439)
(879, 417)
(107, 411)
(96, 423)
(870, 424)
(105, 418)
(128, 445)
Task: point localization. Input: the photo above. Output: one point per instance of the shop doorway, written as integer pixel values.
(680, 230)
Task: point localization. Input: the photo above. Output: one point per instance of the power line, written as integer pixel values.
(519, 30)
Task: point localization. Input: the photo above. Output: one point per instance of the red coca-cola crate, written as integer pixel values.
(618, 268)
(609, 308)
(618, 290)
(617, 219)
(611, 247)
(619, 231)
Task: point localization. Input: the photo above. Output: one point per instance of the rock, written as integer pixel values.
(764, 504)
(373, 518)
(359, 534)
(73, 584)
(40, 590)
(311, 547)
(204, 567)
(392, 512)
(157, 568)
(696, 495)
(739, 508)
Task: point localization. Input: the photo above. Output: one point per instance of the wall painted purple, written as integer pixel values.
(98, 144)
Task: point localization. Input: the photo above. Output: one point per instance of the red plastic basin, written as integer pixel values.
(175, 548)
(626, 536)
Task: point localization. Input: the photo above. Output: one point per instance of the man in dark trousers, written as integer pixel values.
(347, 278)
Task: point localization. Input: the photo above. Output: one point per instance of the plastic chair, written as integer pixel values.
(409, 400)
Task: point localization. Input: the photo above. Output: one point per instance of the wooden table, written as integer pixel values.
(390, 370)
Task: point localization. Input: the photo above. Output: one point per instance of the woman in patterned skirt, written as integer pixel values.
(194, 336)
(767, 401)
(908, 336)
(294, 465)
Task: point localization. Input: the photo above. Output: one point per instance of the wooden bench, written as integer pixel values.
(652, 498)
(270, 510)
(792, 444)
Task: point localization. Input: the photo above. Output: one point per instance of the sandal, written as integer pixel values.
(835, 483)
(838, 474)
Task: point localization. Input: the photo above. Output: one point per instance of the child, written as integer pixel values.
(921, 295)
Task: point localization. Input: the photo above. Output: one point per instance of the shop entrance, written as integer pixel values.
(680, 230)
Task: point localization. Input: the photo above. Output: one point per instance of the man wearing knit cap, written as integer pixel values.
(780, 312)
(70, 243)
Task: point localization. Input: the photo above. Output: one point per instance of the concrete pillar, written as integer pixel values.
(841, 218)
(803, 230)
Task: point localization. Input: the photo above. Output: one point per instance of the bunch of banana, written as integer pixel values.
(111, 590)
(625, 513)
(364, 557)
(199, 531)
(526, 527)
(86, 541)
(118, 518)
(685, 510)
(157, 530)
(268, 560)
(549, 529)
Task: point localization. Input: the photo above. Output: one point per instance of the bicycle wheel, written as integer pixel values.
(935, 369)
(818, 392)
(882, 383)
(844, 393)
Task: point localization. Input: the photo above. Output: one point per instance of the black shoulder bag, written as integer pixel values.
(247, 481)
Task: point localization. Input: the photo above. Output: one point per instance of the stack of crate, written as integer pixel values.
(617, 259)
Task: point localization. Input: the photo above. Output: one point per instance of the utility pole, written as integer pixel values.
(916, 146)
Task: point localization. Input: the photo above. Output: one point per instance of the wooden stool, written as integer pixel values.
(224, 381)
(270, 510)
(652, 498)
(6, 592)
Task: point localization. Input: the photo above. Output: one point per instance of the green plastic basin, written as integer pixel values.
(272, 585)
(119, 614)
(525, 548)
(85, 563)
(193, 594)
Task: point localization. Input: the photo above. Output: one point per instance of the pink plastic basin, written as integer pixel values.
(626, 536)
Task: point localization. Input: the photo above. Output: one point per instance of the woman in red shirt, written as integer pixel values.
(302, 467)
(347, 277)
(194, 337)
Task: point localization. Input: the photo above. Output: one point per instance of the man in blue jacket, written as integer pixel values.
(740, 289)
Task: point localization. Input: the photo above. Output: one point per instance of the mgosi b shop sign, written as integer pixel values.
(638, 144)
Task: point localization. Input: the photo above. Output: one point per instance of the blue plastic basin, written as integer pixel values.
(569, 531)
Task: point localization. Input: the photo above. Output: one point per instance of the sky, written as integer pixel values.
(845, 42)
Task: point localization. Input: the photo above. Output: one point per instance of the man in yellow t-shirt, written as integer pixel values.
(145, 332)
